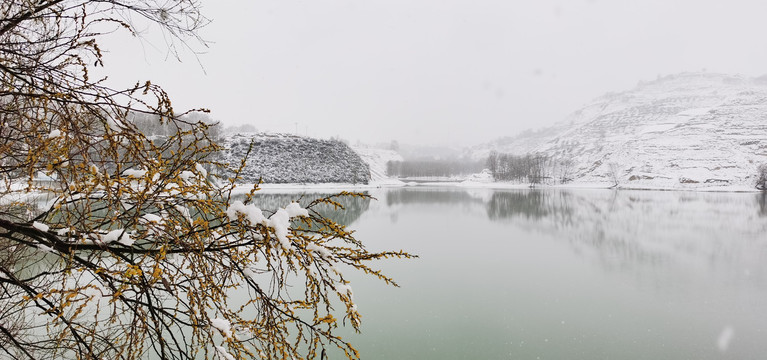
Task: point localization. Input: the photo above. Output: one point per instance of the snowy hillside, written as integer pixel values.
(376, 159)
(281, 158)
(690, 130)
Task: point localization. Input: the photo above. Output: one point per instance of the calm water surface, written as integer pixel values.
(554, 274)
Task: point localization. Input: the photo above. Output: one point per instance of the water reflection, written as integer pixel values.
(643, 233)
(576, 274)
(529, 204)
(425, 195)
(621, 229)
(353, 206)
(648, 234)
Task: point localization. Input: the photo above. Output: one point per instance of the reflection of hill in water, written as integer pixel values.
(627, 230)
(639, 232)
(353, 207)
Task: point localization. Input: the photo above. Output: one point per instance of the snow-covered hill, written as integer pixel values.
(690, 130)
(376, 159)
(281, 158)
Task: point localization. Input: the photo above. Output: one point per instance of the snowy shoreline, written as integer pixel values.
(393, 183)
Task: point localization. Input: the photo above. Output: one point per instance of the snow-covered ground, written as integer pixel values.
(377, 159)
(688, 131)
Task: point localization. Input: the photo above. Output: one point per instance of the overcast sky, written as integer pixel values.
(438, 71)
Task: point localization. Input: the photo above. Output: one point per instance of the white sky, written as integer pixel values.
(438, 71)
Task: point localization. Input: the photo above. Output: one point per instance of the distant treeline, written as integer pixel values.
(150, 124)
(427, 168)
(530, 168)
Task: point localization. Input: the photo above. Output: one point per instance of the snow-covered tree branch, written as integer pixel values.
(116, 245)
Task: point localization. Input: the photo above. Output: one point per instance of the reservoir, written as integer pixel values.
(562, 274)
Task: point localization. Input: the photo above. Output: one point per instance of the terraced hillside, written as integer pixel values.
(689, 130)
(280, 158)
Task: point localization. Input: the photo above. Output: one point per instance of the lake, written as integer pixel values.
(563, 274)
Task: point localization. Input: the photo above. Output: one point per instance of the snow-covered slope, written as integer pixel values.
(376, 160)
(281, 158)
(689, 130)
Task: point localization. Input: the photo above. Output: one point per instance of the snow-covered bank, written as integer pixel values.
(393, 183)
(296, 187)
(594, 185)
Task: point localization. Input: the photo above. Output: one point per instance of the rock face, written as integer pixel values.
(689, 130)
(280, 158)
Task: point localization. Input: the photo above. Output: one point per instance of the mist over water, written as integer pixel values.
(554, 274)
